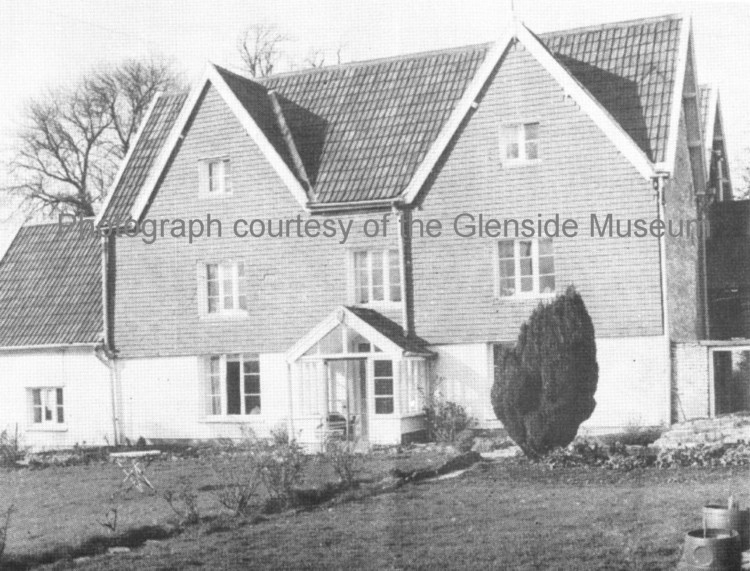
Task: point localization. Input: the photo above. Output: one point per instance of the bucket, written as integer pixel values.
(719, 517)
(711, 549)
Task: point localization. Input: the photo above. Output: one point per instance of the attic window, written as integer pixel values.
(215, 177)
(520, 142)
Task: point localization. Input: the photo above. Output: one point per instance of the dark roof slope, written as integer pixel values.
(50, 288)
(362, 129)
(147, 148)
(256, 101)
(390, 329)
(372, 124)
(630, 68)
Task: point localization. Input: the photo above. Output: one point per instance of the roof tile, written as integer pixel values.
(50, 287)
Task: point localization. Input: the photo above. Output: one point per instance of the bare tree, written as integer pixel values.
(127, 90)
(73, 140)
(260, 48)
(316, 58)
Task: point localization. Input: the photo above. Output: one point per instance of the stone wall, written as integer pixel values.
(728, 429)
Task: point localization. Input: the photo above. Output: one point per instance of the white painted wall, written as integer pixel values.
(633, 381)
(691, 381)
(464, 373)
(164, 398)
(86, 392)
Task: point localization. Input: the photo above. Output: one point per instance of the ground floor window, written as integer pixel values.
(233, 385)
(413, 379)
(47, 406)
(383, 387)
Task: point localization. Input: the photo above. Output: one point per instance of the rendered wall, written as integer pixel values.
(86, 394)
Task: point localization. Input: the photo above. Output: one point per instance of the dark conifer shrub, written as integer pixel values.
(544, 387)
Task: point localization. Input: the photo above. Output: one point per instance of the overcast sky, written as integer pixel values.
(48, 43)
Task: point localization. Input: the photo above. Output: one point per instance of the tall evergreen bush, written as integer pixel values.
(544, 387)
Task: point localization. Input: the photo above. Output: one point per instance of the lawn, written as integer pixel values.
(503, 514)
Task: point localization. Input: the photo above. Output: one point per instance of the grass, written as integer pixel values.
(58, 510)
(507, 514)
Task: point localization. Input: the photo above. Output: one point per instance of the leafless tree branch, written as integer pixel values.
(68, 151)
(259, 47)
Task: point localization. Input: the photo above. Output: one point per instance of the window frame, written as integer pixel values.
(57, 410)
(206, 177)
(238, 283)
(517, 276)
(383, 397)
(387, 286)
(210, 396)
(520, 140)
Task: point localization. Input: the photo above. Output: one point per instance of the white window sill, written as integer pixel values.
(205, 195)
(525, 296)
(379, 305)
(47, 428)
(233, 419)
(516, 163)
(226, 315)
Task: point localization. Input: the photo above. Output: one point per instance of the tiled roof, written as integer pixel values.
(705, 97)
(362, 129)
(256, 101)
(630, 68)
(50, 288)
(147, 148)
(390, 329)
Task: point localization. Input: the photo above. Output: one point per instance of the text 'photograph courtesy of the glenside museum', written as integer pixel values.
(429, 285)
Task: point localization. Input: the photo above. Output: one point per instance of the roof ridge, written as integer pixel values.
(610, 25)
(453, 49)
(376, 61)
(51, 222)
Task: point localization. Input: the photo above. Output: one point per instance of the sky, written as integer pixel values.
(47, 44)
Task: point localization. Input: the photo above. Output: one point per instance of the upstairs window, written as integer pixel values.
(526, 267)
(377, 276)
(233, 385)
(520, 142)
(226, 288)
(47, 407)
(215, 177)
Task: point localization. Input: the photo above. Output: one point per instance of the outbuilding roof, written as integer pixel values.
(50, 288)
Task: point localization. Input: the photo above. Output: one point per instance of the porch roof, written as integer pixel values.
(391, 330)
(373, 326)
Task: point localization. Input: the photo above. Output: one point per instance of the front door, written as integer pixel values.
(347, 397)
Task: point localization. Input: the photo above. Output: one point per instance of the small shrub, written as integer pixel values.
(239, 481)
(4, 525)
(544, 387)
(465, 440)
(110, 519)
(445, 419)
(184, 501)
(341, 455)
(280, 467)
(280, 435)
(10, 448)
